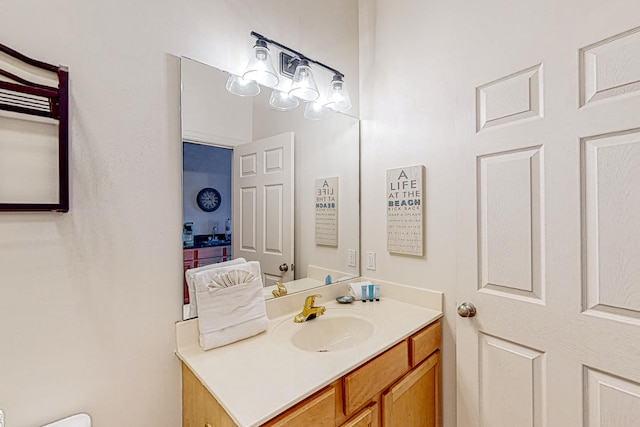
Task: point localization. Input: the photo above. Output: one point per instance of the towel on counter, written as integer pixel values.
(191, 285)
(231, 304)
(231, 278)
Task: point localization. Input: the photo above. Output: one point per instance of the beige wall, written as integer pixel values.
(88, 299)
(323, 149)
(407, 112)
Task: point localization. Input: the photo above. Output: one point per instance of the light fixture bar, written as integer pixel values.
(296, 53)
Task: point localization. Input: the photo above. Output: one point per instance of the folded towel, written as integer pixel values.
(191, 285)
(231, 278)
(231, 304)
(221, 308)
(233, 333)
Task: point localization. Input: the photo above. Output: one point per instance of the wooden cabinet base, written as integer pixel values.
(388, 391)
(414, 400)
(199, 407)
(368, 417)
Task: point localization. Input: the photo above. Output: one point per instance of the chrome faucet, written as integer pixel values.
(309, 311)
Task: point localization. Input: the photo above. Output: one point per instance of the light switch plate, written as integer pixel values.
(371, 260)
(352, 258)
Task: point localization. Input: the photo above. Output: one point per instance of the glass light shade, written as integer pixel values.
(304, 85)
(242, 87)
(316, 111)
(260, 68)
(338, 98)
(283, 101)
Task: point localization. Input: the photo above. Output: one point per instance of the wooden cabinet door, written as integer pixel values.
(414, 401)
(316, 411)
(368, 417)
(199, 408)
(374, 376)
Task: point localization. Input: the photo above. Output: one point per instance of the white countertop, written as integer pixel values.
(258, 378)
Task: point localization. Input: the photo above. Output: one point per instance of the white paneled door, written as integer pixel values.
(549, 217)
(263, 205)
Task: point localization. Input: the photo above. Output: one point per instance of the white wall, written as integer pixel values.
(88, 299)
(323, 149)
(407, 111)
(205, 117)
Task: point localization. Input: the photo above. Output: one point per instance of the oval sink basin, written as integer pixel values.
(332, 333)
(337, 329)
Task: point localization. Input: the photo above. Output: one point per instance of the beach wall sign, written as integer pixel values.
(405, 210)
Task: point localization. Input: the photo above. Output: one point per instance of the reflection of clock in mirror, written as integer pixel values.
(208, 199)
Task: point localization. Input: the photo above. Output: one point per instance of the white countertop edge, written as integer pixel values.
(302, 374)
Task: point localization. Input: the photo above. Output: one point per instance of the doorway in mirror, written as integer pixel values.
(206, 206)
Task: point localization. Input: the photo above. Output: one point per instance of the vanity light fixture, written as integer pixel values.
(242, 87)
(297, 67)
(338, 98)
(304, 85)
(283, 101)
(316, 111)
(260, 68)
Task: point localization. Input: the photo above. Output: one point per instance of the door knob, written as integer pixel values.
(466, 309)
(284, 268)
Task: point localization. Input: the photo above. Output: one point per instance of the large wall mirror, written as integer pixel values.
(300, 226)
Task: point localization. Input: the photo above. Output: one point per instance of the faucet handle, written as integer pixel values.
(311, 299)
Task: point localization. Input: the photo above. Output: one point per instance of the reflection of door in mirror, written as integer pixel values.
(263, 208)
(206, 205)
(323, 149)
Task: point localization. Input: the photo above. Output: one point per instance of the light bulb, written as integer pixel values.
(260, 68)
(316, 111)
(338, 98)
(242, 87)
(283, 101)
(304, 85)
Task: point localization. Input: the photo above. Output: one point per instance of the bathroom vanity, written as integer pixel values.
(389, 377)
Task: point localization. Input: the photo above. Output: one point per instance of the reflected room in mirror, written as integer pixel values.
(267, 185)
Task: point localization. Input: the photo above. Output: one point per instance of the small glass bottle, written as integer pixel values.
(227, 228)
(187, 235)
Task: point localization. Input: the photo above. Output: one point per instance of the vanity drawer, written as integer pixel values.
(318, 410)
(424, 343)
(373, 377)
(368, 417)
